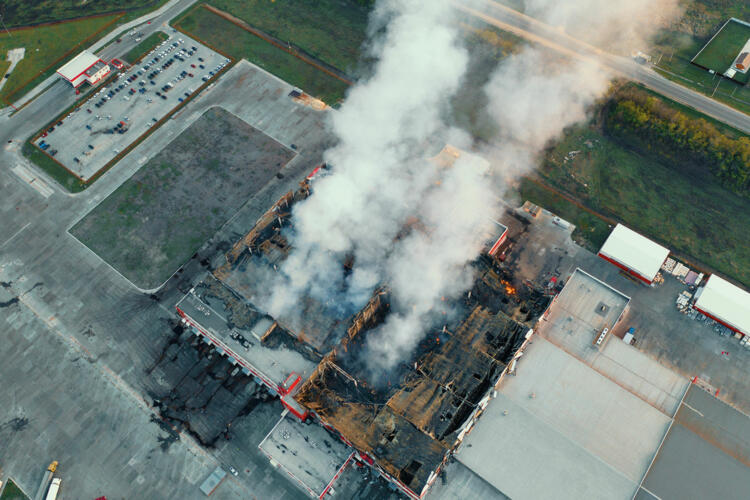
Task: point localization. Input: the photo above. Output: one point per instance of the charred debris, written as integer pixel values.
(409, 421)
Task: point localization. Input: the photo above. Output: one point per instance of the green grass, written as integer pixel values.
(146, 45)
(44, 46)
(719, 54)
(239, 43)
(51, 168)
(331, 30)
(12, 492)
(696, 218)
(26, 12)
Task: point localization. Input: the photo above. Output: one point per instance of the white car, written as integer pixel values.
(233, 471)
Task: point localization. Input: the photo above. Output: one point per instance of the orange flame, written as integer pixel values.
(509, 289)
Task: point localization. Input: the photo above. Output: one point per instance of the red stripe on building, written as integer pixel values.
(497, 244)
(625, 268)
(709, 315)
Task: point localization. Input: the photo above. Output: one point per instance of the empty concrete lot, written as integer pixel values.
(157, 219)
(91, 136)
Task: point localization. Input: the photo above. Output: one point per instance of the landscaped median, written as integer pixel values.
(12, 492)
(143, 48)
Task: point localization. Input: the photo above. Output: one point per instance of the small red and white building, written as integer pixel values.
(633, 253)
(85, 67)
(724, 303)
(496, 236)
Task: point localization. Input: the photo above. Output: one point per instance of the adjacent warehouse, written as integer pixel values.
(725, 303)
(634, 253)
(85, 67)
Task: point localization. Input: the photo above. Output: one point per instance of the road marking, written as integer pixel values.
(15, 234)
(29, 178)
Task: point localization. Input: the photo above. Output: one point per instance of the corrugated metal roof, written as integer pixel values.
(729, 303)
(634, 251)
(77, 65)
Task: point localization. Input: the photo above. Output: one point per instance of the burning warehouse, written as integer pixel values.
(406, 425)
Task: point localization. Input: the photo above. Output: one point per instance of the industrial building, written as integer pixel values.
(405, 427)
(85, 67)
(725, 303)
(633, 253)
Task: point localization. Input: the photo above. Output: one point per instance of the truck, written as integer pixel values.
(54, 488)
(46, 480)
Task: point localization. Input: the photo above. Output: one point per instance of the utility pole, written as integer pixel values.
(5, 27)
(717, 86)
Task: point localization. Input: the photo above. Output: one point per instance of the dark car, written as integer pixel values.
(91, 147)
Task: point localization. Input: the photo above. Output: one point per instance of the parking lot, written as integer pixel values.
(116, 115)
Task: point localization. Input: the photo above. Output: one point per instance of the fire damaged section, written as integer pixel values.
(409, 425)
(315, 358)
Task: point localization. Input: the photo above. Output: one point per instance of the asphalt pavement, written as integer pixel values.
(536, 31)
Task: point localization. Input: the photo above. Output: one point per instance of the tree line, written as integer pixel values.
(683, 141)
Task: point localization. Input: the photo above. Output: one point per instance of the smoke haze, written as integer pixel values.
(388, 126)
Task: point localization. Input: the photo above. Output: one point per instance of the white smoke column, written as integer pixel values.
(380, 178)
(431, 266)
(379, 169)
(533, 102)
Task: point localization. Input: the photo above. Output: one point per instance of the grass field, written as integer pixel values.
(142, 48)
(155, 221)
(331, 30)
(26, 12)
(12, 492)
(721, 51)
(230, 39)
(45, 46)
(699, 220)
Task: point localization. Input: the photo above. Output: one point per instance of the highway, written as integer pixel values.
(536, 31)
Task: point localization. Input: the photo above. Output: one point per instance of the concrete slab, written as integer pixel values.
(594, 438)
(706, 453)
(308, 453)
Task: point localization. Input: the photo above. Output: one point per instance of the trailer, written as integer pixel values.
(46, 481)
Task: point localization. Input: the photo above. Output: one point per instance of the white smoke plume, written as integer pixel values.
(380, 170)
(386, 128)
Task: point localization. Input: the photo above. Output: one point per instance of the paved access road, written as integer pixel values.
(529, 28)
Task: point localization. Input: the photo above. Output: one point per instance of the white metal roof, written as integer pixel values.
(634, 251)
(77, 65)
(726, 302)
